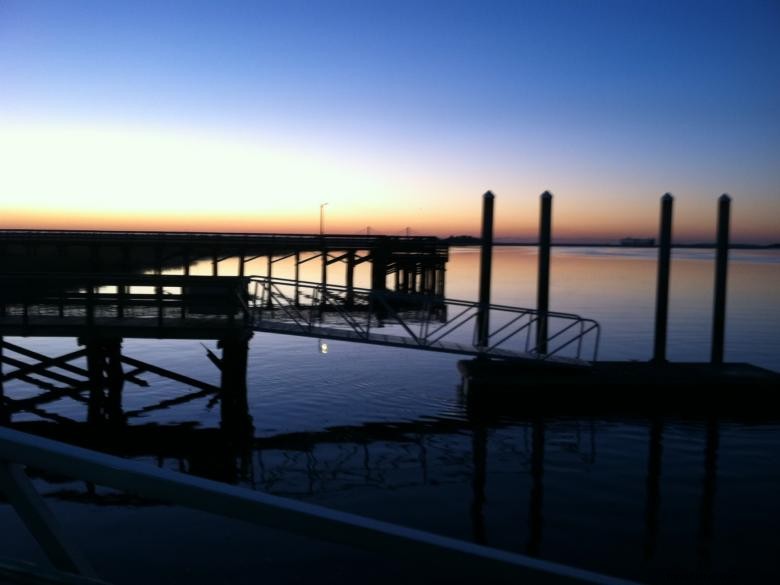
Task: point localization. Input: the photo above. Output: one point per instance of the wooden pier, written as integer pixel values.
(413, 264)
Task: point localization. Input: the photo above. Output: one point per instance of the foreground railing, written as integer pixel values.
(416, 320)
(20, 450)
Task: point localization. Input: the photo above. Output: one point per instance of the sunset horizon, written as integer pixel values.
(249, 118)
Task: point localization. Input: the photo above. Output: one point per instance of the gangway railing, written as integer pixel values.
(19, 451)
(416, 320)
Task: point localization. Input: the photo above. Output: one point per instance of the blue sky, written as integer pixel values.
(418, 106)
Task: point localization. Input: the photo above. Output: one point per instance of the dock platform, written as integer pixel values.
(682, 387)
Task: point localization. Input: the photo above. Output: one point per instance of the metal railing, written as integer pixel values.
(28, 299)
(415, 320)
(19, 450)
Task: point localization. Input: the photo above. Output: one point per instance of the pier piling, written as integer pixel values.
(721, 268)
(662, 287)
(485, 265)
(543, 284)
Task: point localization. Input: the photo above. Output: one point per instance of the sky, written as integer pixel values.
(248, 116)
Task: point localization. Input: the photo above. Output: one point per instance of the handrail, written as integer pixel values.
(258, 508)
(406, 310)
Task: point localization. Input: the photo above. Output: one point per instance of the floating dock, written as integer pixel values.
(687, 388)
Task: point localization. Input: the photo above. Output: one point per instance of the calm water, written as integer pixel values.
(386, 433)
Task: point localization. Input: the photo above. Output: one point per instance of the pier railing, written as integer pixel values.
(19, 451)
(419, 321)
(41, 300)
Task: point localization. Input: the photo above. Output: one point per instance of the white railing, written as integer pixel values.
(19, 450)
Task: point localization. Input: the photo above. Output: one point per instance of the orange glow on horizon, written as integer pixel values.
(74, 177)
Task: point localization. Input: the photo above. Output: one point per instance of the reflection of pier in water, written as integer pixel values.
(383, 456)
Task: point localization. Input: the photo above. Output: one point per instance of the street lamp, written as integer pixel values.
(322, 218)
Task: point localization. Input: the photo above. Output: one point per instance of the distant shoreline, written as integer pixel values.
(622, 246)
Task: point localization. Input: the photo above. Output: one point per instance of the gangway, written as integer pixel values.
(426, 322)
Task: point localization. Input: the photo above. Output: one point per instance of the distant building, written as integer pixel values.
(637, 242)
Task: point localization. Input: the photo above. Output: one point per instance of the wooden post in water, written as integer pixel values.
(662, 288)
(543, 284)
(324, 275)
(297, 278)
(721, 267)
(350, 277)
(485, 266)
(4, 418)
(241, 263)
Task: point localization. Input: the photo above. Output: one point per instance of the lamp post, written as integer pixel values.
(322, 218)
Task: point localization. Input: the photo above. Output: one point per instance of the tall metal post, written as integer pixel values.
(485, 265)
(721, 267)
(543, 284)
(662, 288)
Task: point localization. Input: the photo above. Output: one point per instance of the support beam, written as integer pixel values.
(662, 287)
(146, 367)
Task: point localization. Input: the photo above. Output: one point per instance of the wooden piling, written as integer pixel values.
(543, 283)
(379, 260)
(234, 408)
(721, 268)
(297, 277)
(350, 278)
(662, 286)
(485, 265)
(324, 277)
(4, 417)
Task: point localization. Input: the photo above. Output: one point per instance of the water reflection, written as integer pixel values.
(541, 475)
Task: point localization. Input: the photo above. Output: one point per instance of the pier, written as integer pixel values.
(411, 264)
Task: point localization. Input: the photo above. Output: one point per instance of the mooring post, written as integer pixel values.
(485, 265)
(543, 284)
(721, 267)
(662, 287)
